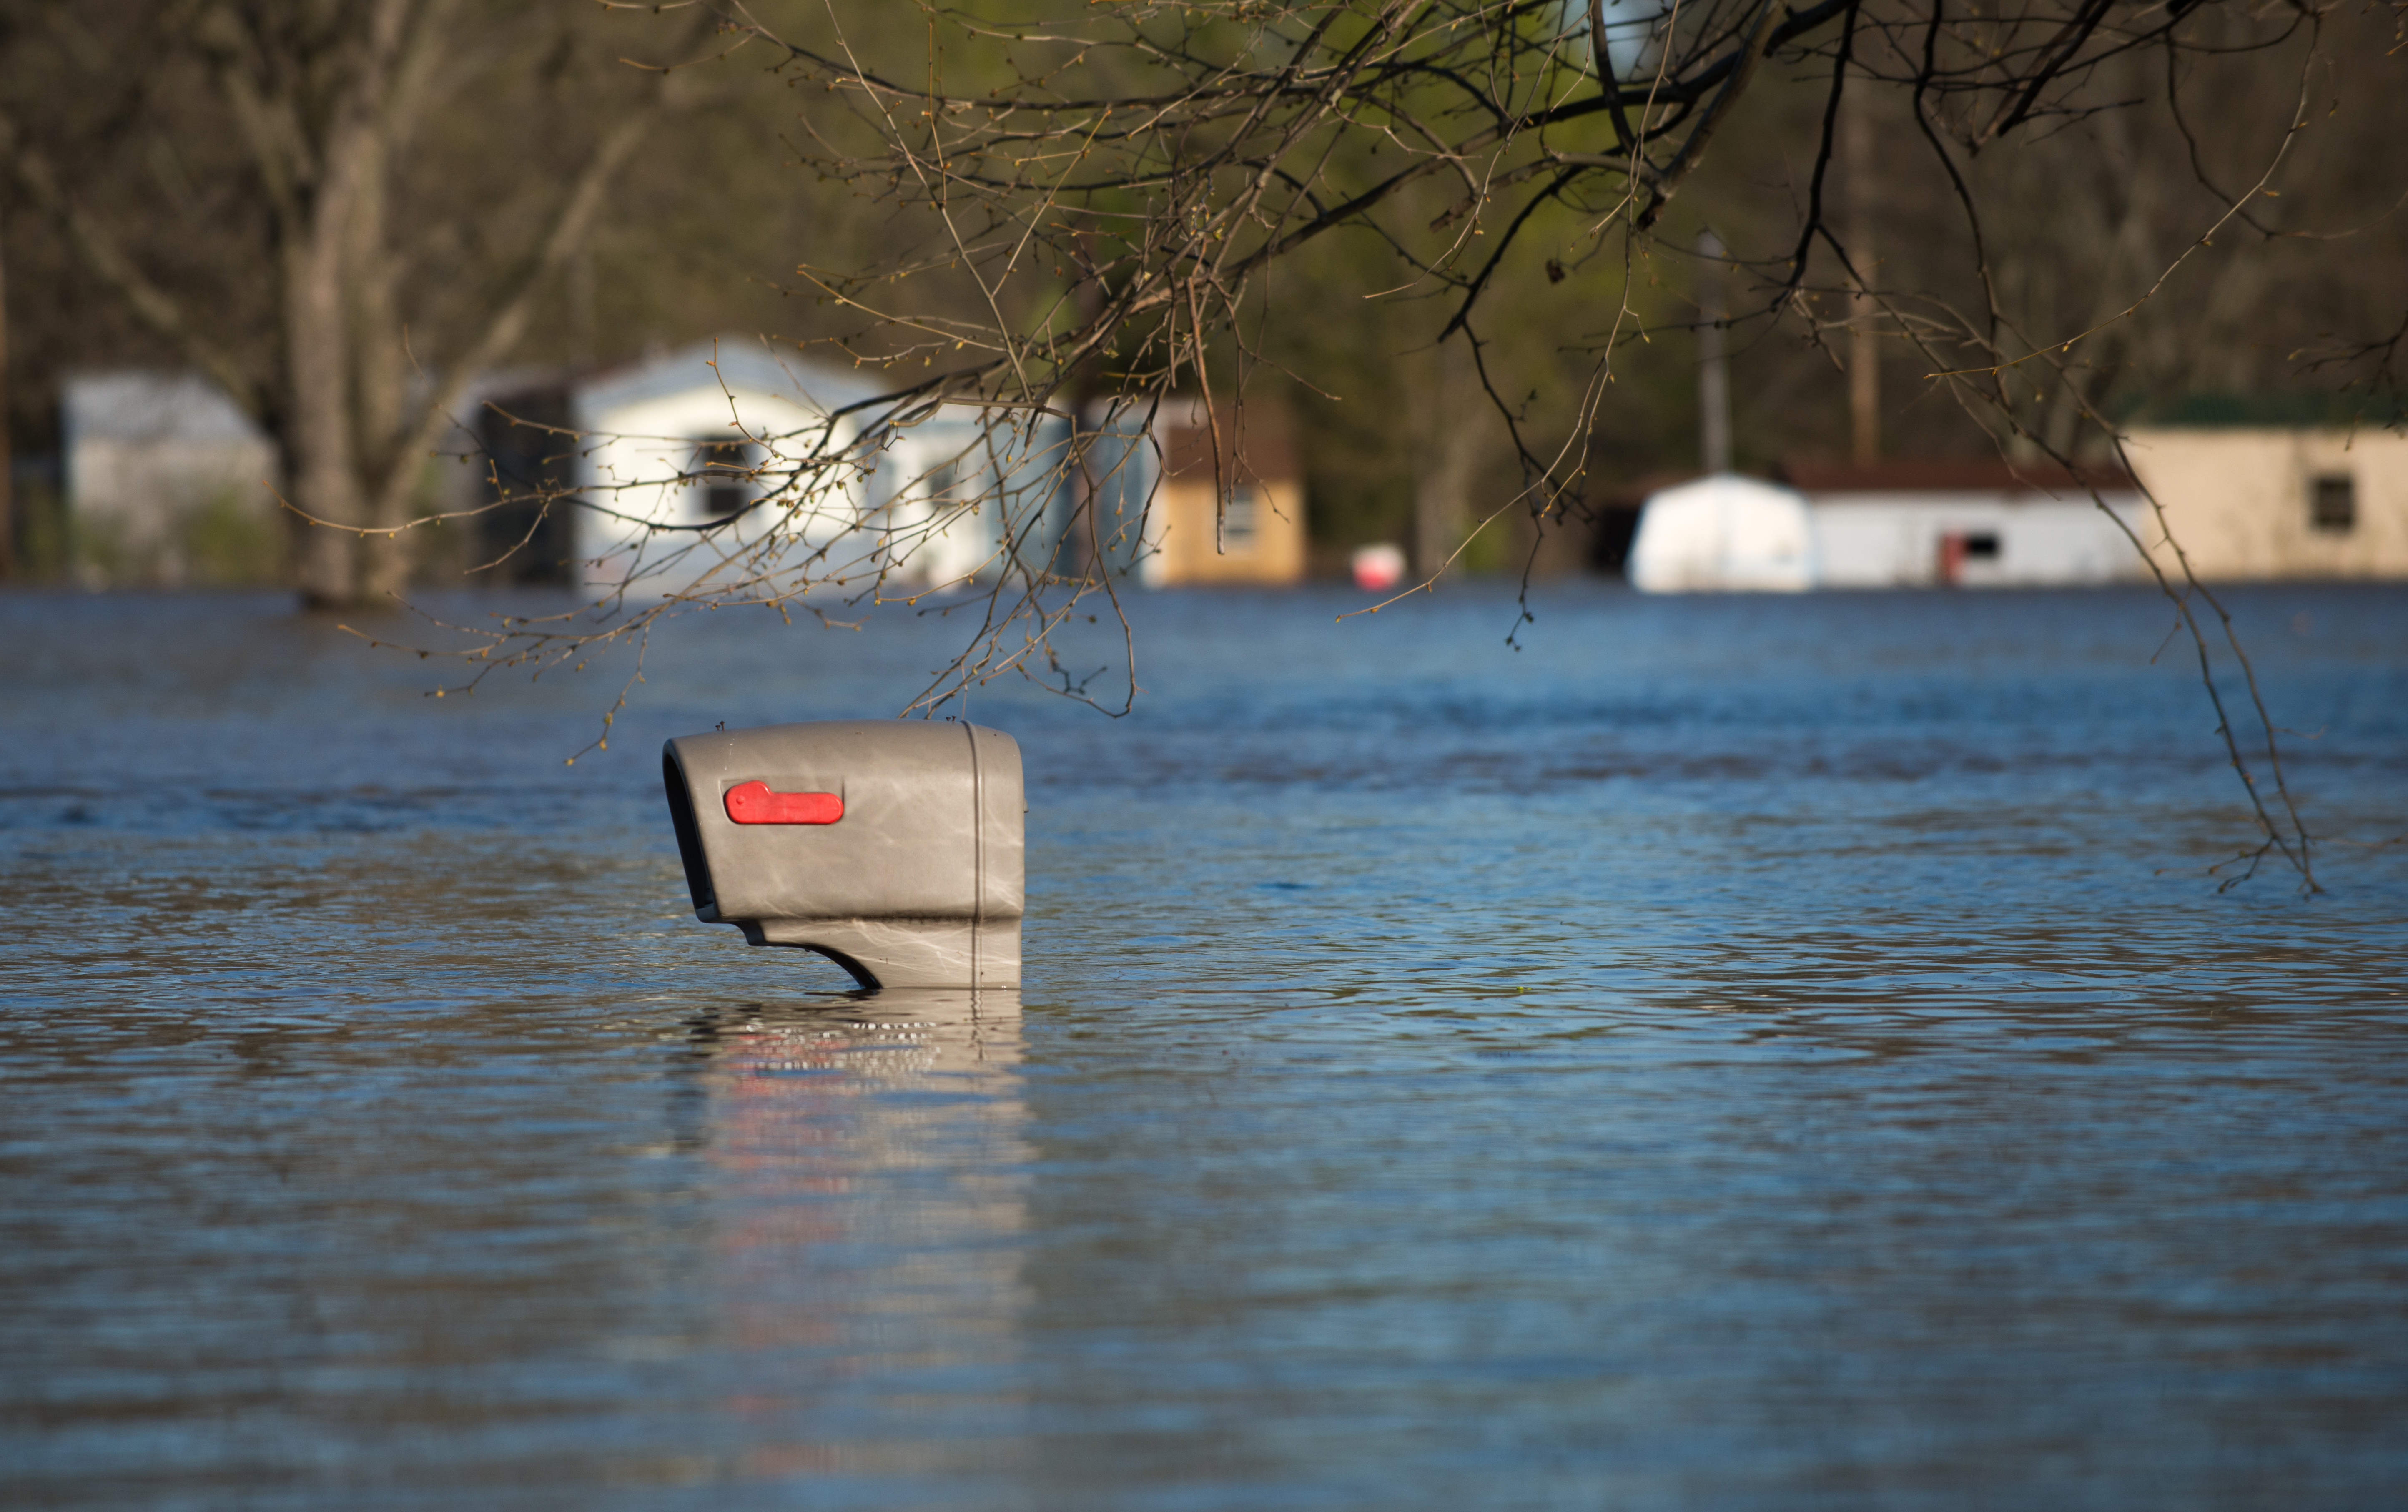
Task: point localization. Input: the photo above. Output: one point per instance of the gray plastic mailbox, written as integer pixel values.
(892, 848)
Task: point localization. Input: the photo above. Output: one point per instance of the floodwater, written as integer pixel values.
(1734, 1053)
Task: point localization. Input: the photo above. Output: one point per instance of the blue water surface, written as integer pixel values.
(1730, 1053)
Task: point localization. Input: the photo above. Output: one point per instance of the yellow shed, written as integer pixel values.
(1258, 537)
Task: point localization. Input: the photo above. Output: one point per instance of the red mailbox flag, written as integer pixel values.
(752, 803)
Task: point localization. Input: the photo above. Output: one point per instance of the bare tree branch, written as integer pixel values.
(101, 253)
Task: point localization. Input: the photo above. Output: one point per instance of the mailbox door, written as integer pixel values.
(1003, 823)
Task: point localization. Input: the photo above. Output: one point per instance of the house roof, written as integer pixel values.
(1254, 440)
(2272, 412)
(1951, 475)
(734, 363)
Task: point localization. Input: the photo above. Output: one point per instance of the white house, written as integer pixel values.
(147, 458)
(736, 430)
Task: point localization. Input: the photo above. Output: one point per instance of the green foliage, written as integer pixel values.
(45, 545)
(228, 541)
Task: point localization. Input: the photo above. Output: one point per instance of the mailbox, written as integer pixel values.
(892, 848)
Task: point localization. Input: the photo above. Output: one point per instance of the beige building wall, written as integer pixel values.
(2242, 500)
(1262, 541)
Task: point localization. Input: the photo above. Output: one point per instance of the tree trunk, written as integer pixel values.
(1714, 358)
(380, 376)
(8, 479)
(1449, 461)
(323, 441)
(1864, 359)
(321, 465)
(323, 437)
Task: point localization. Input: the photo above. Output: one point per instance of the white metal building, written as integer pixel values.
(1724, 533)
(1967, 523)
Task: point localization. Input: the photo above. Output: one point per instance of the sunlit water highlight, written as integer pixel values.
(1732, 1053)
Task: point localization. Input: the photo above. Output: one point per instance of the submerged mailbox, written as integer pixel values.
(893, 849)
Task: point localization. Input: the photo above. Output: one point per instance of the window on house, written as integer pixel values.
(1239, 519)
(1982, 546)
(722, 471)
(2332, 504)
(942, 484)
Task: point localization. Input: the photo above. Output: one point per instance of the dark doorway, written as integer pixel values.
(532, 452)
(1608, 550)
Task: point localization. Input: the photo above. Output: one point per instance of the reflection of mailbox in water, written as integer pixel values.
(892, 848)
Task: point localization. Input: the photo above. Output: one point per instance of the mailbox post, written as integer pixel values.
(892, 848)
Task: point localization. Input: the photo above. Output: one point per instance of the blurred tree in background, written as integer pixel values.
(346, 213)
(343, 213)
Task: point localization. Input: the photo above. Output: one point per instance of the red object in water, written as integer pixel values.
(1379, 569)
(752, 803)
